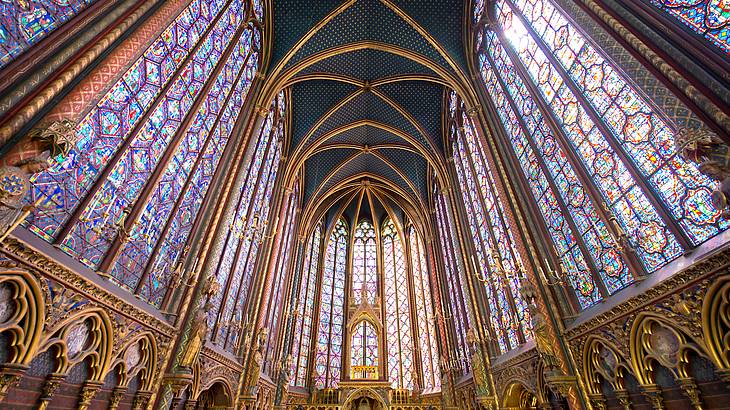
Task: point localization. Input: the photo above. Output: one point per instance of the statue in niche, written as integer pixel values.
(254, 373)
(198, 330)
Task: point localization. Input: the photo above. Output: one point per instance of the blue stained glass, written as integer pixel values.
(24, 23)
(202, 146)
(328, 355)
(109, 124)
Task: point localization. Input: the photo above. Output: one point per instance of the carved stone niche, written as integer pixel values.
(33, 154)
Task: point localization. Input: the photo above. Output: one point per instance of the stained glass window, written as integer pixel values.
(245, 233)
(456, 307)
(280, 273)
(328, 360)
(397, 309)
(364, 348)
(598, 157)
(305, 309)
(149, 149)
(426, 322)
(497, 258)
(709, 18)
(25, 22)
(364, 262)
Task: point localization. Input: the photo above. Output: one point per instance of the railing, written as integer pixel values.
(364, 372)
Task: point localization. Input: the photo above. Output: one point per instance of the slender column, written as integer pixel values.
(246, 125)
(13, 129)
(121, 239)
(118, 155)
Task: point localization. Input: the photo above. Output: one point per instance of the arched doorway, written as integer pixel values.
(517, 397)
(216, 397)
(364, 399)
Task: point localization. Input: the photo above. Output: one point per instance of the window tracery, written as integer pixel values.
(597, 156)
(149, 150)
(328, 360)
(426, 321)
(496, 257)
(305, 309)
(397, 309)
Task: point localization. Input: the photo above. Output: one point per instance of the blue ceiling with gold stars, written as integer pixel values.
(367, 80)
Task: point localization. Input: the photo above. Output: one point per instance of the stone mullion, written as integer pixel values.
(15, 127)
(661, 209)
(261, 276)
(451, 280)
(442, 282)
(427, 285)
(137, 207)
(184, 189)
(292, 316)
(122, 149)
(481, 245)
(312, 353)
(483, 201)
(283, 315)
(460, 289)
(417, 373)
(249, 208)
(246, 126)
(561, 202)
(450, 330)
(475, 297)
(578, 166)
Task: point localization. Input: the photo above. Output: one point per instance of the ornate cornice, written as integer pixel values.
(39, 262)
(697, 271)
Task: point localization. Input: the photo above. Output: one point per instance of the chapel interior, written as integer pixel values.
(364, 204)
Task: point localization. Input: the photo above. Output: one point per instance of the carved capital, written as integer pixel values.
(10, 375)
(712, 156)
(689, 388)
(141, 400)
(116, 396)
(57, 137)
(88, 391)
(53, 381)
(560, 383)
(598, 401)
(623, 397)
(653, 395)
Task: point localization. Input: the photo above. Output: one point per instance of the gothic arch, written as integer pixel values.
(139, 355)
(86, 334)
(656, 341)
(603, 360)
(716, 322)
(23, 314)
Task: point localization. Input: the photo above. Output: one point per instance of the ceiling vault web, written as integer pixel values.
(366, 80)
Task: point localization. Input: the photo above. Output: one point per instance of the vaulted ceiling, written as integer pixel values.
(367, 80)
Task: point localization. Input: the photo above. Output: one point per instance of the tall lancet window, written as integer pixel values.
(281, 276)
(456, 306)
(26, 22)
(364, 262)
(497, 259)
(305, 309)
(328, 362)
(397, 309)
(708, 18)
(246, 230)
(426, 322)
(126, 198)
(364, 350)
(599, 159)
